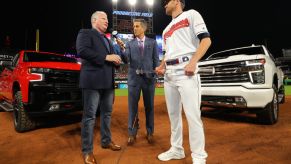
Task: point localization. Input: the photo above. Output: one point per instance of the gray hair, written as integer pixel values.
(142, 21)
(95, 15)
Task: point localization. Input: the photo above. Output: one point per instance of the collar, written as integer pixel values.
(178, 15)
(143, 39)
(100, 33)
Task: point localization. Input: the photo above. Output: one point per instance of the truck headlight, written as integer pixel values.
(256, 70)
(256, 62)
(258, 77)
(39, 70)
(251, 68)
(37, 74)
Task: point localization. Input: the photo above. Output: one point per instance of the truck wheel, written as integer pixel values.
(22, 122)
(270, 113)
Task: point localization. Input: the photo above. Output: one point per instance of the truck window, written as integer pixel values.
(46, 57)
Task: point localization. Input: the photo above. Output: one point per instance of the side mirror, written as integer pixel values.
(6, 63)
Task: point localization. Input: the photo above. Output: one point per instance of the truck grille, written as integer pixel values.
(226, 73)
(63, 79)
(62, 86)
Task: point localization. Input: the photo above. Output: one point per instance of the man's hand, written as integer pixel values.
(190, 69)
(113, 58)
(160, 70)
(120, 43)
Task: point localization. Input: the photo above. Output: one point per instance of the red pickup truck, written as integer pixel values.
(38, 83)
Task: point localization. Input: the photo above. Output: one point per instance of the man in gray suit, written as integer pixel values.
(142, 55)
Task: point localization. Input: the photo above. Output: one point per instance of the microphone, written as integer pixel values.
(114, 33)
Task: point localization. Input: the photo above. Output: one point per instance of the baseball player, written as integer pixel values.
(185, 41)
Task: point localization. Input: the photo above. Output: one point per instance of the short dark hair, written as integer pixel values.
(183, 3)
(142, 21)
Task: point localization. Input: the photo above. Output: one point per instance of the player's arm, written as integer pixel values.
(200, 30)
(200, 52)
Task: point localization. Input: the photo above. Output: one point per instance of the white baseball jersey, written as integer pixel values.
(180, 36)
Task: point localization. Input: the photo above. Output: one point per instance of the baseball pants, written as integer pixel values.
(185, 91)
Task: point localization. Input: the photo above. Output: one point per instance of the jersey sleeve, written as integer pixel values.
(197, 23)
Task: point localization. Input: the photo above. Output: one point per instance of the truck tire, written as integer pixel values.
(22, 121)
(270, 113)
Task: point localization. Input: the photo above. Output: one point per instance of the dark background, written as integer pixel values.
(231, 23)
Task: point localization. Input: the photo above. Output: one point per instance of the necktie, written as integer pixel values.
(106, 42)
(140, 46)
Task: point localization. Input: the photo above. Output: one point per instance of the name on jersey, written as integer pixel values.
(176, 26)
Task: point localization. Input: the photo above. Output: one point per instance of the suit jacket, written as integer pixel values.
(96, 73)
(147, 61)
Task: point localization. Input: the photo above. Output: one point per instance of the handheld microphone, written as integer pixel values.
(118, 40)
(114, 34)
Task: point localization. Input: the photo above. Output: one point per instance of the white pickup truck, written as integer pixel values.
(245, 78)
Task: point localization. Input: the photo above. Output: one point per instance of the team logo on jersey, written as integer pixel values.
(181, 24)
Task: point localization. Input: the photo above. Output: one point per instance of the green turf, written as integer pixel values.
(160, 91)
(287, 89)
(123, 92)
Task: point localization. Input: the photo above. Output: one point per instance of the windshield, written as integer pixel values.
(244, 51)
(44, 57)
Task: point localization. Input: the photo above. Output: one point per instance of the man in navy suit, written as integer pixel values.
(97, 83)
(142, 55)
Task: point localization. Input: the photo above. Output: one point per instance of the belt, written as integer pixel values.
(148, 74)
(177, 60)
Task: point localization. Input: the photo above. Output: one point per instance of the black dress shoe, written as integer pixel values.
(89, 159)
(112, 146)
(150, 138)
(131, 140)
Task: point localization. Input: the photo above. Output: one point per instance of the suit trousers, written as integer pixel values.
(91, 100)
(185, 91)
(147, 86)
